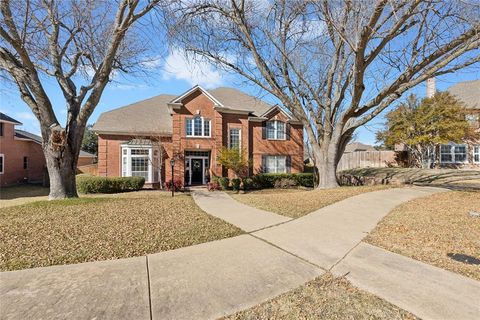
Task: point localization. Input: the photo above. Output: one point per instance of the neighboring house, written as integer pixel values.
(140, 139)
(358, 146)
(85, 158)
(466, 154)
(21, 154)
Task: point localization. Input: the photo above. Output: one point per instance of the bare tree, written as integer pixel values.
(78, 44)
(335, 65)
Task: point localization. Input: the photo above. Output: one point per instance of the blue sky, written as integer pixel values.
(174, 75)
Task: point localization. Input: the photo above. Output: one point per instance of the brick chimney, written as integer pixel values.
(431, 87)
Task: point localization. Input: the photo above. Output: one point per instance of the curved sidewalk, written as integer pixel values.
(218, 278)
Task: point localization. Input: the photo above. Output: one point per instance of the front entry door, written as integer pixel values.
(197, 171)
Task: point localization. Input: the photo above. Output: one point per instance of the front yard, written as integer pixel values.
(437, 230)
(295, 203)
(48, 233)
(324, 298)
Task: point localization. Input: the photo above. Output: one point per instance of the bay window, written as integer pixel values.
(453, 153)
(275, 130)
(137, 161)
(197, 127)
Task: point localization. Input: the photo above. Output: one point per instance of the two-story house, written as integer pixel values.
(140, 139)
(21, 154)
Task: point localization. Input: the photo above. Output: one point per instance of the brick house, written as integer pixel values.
(21, 154)
(467, 153)
(141, 138)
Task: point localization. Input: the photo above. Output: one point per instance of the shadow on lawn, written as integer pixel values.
(22, 191)
(460, 257)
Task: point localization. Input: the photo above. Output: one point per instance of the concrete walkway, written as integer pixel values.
(249, 219)
(213, 279)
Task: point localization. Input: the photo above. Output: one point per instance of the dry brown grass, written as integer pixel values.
(17, 195)
(297, 203)
(431, 229)
(87, 229)
(324, 298)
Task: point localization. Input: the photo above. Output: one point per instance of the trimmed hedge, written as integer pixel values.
(268, 180)
(92, 184)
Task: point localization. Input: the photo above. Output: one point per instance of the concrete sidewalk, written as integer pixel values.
(247, 218)
(328, 234)
(424, 290)
(213, 279)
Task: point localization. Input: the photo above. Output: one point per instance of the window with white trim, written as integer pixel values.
(275, 164)
(453, 153)
(198, 127)
(2, 158)
(476, 154)
(234, 138)
(137, 162)
(275, 130)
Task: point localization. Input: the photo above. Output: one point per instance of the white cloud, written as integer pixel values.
(25, 116)
(177, 66)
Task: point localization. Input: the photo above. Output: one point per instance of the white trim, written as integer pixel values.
(452, 152)
(477, 152)
(233, 111)
(137, 133)
(239, 137)
(189, 160)
(129, 156)
(193, 89)
(202, 127)
(2, 156)
(275, 132)
(277, 157)
(278, 108)
(12, 122)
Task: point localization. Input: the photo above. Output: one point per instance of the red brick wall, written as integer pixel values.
(197, 103)
(292, 147)
(84, 161)
(13, 151)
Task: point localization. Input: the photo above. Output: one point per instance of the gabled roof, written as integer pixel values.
(143, 117)
(154, 115)
(358, 146)
(5, 118)
(468, 92)
(25, 135)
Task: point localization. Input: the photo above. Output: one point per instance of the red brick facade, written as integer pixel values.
(23, 159)
(179, 146)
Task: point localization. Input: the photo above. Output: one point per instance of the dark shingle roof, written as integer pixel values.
(468, 92)
(4, 117)
(27, 135)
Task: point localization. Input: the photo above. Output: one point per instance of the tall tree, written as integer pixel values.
(78, 44)
(423, 125)
(335, 65)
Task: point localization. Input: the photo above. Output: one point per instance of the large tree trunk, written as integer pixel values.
(326, 164)
(61, 155)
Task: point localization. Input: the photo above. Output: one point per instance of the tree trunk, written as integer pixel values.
(61, 172)
(61, 150)
(326, 164)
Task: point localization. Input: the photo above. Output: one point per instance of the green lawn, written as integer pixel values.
(295, 203)
(48, 233)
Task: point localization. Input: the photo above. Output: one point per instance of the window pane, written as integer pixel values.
(271, 130)
(460, 153)
(281, 164)
(280, 130)
(140, 167)
(1, 163)
(124, 166)
(139, 152)
(476, 154)
(271, 164)
(206, 128)
(197, 126)
(234, 138)
(189, 127)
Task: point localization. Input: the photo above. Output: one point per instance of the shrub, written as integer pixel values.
(224, 182)
(249, 184)
(285, 183)
(236, 184)
(267, 180)
(211, 186)
(92, 184)
(177, 185)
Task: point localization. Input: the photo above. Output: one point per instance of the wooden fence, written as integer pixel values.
(363, 159)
